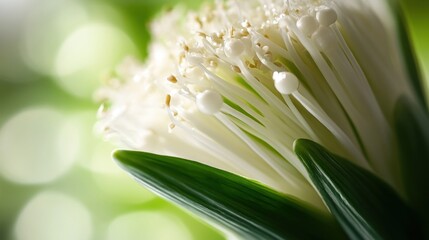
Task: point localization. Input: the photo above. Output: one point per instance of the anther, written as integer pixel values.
(184, 46)
(201, 34)
(215, 38)
(172, 79)
(236, 69)
(199, 22)
(245, 24)
(213, 63)
(244, 32)
(167, 100)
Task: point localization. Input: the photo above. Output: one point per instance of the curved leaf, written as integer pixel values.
(412, 129)
(365, 206)
(247, 208)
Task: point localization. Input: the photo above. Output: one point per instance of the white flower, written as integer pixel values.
(235, 84)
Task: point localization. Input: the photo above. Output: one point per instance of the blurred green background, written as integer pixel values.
(56, 177)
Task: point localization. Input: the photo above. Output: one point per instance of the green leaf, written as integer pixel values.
(408, 52)
(247, 208)
(412, 129)
(365, 206)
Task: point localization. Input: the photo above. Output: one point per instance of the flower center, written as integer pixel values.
(246, 79)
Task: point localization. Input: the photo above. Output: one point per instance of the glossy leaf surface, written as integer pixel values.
(247, 208)
(365, 206)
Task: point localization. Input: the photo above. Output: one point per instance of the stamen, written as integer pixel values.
(333, 128)
(285, 82)
(300, 118)
(307, 25)
(324, 39)
(233, 48)
(326, 71)
(276, 165)
(326, 17)
(293, 177)
(259, 38)
(266, 60)
(290, 126)
(234, 159)
(209, 102)
(245, 93)
(216, 147)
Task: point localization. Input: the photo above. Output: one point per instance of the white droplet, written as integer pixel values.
(307, 24)
(148, 225)
(285, 82)
(209, 102)
(37, 146)
(53, 216)
(326, 16)
(324, 38)
(233, 48)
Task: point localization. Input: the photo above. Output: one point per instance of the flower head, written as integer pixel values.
(236, 83)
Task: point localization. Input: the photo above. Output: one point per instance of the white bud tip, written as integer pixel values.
(233, 48)
(326, 16)
(285, 82)
(307, 24)
(209, 102)
(324, 38)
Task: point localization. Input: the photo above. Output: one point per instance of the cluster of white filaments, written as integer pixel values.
(235, 84)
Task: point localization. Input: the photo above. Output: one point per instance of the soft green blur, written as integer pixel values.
(57, 180)
(56, 177)
(417, 15)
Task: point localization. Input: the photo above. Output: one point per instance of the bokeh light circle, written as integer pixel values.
(90, 50)
(95, 156)
(148, 225)
(36, 146)
(112, 180)
(47, 26)
(53, 216)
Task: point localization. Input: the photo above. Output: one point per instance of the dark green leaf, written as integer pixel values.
(412, 129)
(247, 208)
(365, 206)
